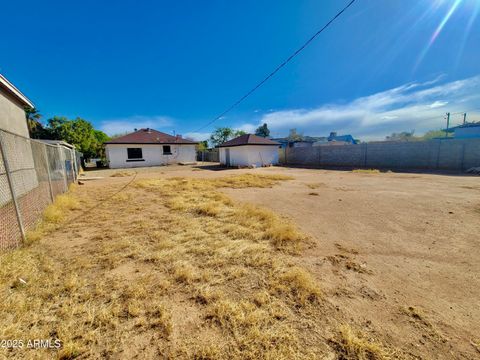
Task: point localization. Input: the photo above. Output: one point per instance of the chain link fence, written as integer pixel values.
(32, 174)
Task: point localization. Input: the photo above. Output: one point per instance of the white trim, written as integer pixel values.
(17, 93)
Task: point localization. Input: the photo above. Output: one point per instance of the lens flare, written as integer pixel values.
(437, 32)
(473, 17)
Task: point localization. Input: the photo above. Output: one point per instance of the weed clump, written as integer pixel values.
(122, 174)
(366, 171)
(297, 284)
(352, 345)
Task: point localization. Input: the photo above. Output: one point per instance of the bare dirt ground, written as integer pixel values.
(395, 256)
(397, 252)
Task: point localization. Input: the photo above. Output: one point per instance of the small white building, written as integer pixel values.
(148, 147)
(249, 150)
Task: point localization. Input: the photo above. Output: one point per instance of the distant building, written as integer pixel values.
(307, 141)
(465, 131)
(148, 147)
(346, 139)
(249, 150)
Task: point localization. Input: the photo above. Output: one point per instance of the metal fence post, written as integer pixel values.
(62, 159)
(12, 190)
(48, 173)
(365, 155)
(74, 164)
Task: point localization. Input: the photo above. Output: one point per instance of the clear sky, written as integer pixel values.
(386, 65)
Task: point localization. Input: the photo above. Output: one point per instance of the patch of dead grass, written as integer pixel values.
(366, 171)
(297, 284)
(352, 345)
(123, 174)
(55, 213)
(185, 246)
(476, 344)
(315, 185)
(420, 320)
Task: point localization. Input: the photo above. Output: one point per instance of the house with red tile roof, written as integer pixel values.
(249, 150)
(149, 147)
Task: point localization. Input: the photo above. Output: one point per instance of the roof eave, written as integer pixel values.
(149, 143)
(15, 92)
(220, 146)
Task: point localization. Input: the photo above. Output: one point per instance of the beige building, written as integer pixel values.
(17, 150)
(12, 104)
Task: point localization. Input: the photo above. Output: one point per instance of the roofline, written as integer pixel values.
(150, 143)
(14, 91)
(463, 126)
(219, 146)
(57, 142)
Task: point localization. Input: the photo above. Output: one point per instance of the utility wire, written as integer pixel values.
(285, 62)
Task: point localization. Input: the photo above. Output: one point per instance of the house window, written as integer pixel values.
(134, 154)
(167, 150)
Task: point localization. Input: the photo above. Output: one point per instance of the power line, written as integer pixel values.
(463, 112)
(444, 114)
(285, 62)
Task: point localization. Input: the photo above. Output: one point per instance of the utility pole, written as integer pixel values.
(464, 118)
(448, 124)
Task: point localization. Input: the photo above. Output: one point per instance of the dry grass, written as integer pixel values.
(476, 344)
(297, 284)
(352, 345)
(366, 171)
(123, 174)
(55, 214)
(192, 274)
(419, 319)
(315, 185)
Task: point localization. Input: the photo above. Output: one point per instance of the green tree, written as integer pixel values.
(432, 134)
(35, 127)
(222, 134)
(237, 133)
(294, 136)
(78, 132)
(202, 145)
(101, 137)
(403, 136)
(262, 131)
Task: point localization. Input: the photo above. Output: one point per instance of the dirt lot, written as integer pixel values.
(397, 252)
(162, 262)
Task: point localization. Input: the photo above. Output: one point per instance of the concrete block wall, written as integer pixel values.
(445, 154)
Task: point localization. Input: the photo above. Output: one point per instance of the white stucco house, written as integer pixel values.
(149, 147)
(17, 149)
(249, 150)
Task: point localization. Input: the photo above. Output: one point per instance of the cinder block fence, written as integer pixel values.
(447, 154)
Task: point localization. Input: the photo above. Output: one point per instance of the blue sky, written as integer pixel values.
(384, 66)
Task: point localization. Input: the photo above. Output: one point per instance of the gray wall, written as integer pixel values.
(12, 115)
(433, 154)
(17, 149)
(212, 155)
